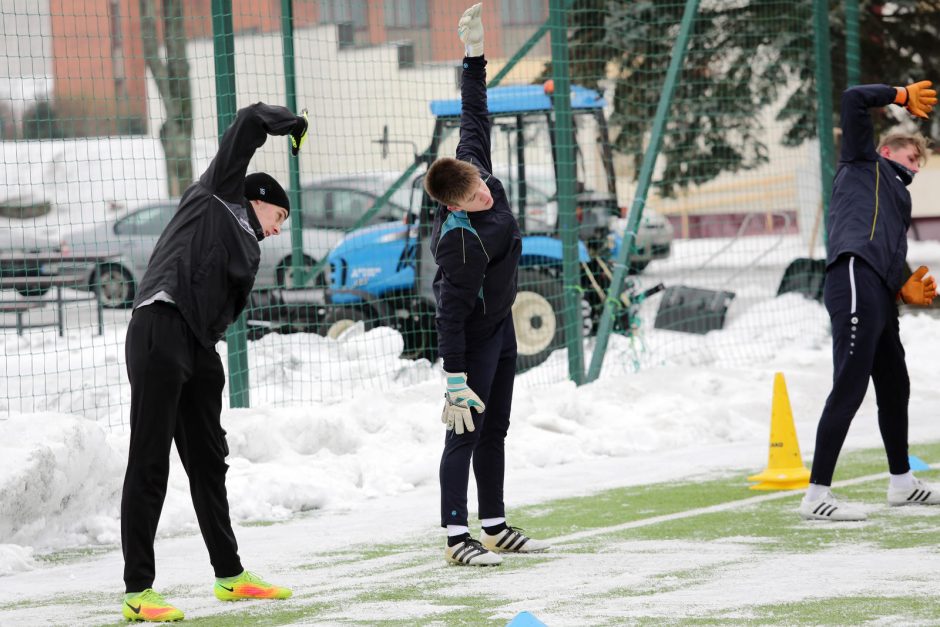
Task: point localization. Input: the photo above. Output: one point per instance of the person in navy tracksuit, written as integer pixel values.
(477, 244)
(869, 215)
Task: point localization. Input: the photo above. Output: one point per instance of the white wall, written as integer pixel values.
(350, 95)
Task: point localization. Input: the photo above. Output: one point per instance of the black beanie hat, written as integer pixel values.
(262, 186)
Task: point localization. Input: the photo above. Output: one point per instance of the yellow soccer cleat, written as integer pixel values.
(149, 606)
(248, 586)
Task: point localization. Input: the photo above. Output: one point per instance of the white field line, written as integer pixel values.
(711, 509)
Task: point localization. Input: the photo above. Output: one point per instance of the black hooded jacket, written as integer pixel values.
(208, 255)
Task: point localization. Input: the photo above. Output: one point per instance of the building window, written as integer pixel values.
(406, 13)
(339, 11)
(523, 12)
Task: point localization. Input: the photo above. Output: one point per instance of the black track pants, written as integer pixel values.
(491, 371)
(176, 394)
(865, 344)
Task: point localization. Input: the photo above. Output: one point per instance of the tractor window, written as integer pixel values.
(538, 151)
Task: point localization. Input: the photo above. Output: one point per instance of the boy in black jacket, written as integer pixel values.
(477, 244)
(197, 282)
(869, 215)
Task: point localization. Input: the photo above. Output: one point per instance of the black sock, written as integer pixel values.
(499, 528)
(455, 540)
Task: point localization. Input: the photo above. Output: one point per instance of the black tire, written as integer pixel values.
(32, 291)
(420, 335)
(538, 316)
(637, 267)
(116, 286)
(283, 273)
(337, 319)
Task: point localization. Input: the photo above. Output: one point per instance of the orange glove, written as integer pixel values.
(917, 97)
(919, 290)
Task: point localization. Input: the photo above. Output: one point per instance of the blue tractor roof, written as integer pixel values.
(520, 99)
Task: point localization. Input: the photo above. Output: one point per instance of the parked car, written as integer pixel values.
(131, 236)
(338, 202)
(15, 241)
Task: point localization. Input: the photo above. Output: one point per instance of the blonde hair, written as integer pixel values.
(896, 141)
(450, 181)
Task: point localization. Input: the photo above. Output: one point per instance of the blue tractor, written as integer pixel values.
(382, 275)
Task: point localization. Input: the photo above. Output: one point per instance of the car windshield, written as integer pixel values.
(146, 221)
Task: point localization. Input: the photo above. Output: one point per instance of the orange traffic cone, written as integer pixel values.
(785, 469)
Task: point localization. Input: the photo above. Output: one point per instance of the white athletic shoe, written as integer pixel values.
(471, 553)
(921, 493)
(512, 540)
(828, 507)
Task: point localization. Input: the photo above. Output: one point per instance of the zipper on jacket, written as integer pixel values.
(875, 219)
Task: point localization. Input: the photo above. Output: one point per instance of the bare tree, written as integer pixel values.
(171, 73)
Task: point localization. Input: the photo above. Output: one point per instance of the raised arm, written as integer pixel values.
(475, 123)
(858, 134)
(225, 176)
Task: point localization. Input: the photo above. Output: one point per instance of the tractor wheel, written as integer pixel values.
(538, 316)
(338, 319)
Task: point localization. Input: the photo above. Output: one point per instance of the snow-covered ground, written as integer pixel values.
(61, 473)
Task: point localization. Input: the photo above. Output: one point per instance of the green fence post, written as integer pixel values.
(565, 174)
(643, 183)
(824, 104)
(223, 42)
(852, 49)
(298, 277)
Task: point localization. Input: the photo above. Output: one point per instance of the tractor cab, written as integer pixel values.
(524, 156)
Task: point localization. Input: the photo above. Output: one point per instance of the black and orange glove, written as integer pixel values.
(920, 289)
(918, 98)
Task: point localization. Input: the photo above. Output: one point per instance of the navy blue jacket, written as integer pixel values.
(477, 253)
(870, 210)
(208, 255)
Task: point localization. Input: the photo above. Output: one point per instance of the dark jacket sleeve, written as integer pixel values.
(462, 260)
(474, 145)
(858, 133)
(226, 174)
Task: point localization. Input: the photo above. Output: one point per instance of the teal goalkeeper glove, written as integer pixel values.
(470, 31)
(459, 399)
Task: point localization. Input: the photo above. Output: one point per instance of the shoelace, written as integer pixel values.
(152, 596)
(476, 544)
(253, 578)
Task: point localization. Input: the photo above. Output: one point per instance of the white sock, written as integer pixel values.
(902, 481)
(816, 491)
(457, 530)
(492, 522)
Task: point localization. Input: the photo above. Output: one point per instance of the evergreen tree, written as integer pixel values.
(743, 57)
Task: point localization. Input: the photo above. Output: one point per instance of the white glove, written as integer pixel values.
(458, 401)
(470, 31)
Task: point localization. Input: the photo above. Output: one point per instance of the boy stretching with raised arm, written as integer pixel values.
(477, 244)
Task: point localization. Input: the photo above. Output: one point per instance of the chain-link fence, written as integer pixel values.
(662, 159)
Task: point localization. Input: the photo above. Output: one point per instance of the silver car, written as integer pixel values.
(129, 238)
